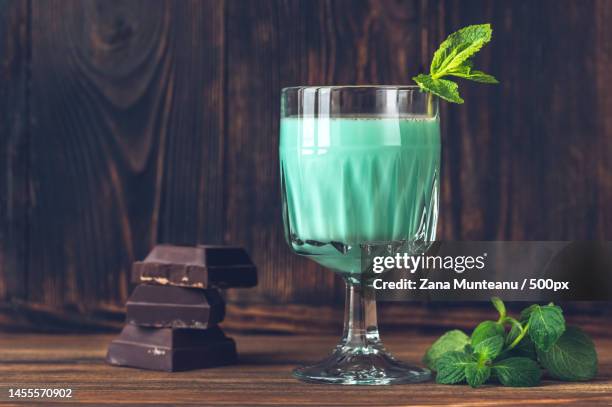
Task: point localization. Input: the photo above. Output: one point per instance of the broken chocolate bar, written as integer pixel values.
(170, 349)
(196, 266)
(174, 307)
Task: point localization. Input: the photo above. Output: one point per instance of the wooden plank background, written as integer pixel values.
(123, 123)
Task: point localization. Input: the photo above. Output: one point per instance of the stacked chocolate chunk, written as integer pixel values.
(173, 313)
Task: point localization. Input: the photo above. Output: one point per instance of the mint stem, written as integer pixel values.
(510, 320)
(520, 337)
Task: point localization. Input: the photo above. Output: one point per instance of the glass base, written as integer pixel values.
(361, 365)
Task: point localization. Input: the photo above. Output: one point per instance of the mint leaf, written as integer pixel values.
(490, 348)
(525, 348)
(458, 47)
(453, 57)
(526, 313)
(485, 330)
(572, 357)
(451, 367)
(447, 90)
(546, 325)
(466, 72)
(476, 374)
(454, 340)
(517, 372)
(499, 306)
(515, 331)
(540, 340)
(517, 342)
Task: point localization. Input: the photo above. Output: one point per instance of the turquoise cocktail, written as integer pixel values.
(359, 166)
(352, 180)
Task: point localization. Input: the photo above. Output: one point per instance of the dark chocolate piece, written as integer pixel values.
(174, 307)
(196, 266)
(170, 349)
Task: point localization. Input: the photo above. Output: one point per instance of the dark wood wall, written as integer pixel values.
(124, 123)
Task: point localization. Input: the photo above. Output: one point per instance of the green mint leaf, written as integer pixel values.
(525, 348)
(447, 90)
(485, 330)
(517, 372)
(490, 348)
(454, 340)
(499, 306)
(573, 357)
(476, 374)
(453, 57)
(515, 330)
(526, 313)
(466, 72)
(451, 367)
(458, 47)
(546, 325)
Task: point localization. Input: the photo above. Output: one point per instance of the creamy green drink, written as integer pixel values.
(354, 180)
(359, 177)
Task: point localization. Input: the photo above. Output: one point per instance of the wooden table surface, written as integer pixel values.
(262, 377)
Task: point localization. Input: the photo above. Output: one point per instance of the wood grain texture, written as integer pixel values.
(135, 122)
(14, 195)
(262, 376)
(318, 42)
(528, 144)
(127, 110)
(192, 192)
(100, 106)
(602, 162)
(594, 318)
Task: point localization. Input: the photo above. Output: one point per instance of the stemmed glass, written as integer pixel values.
(359, 167)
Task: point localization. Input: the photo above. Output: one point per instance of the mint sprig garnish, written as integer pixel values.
(514, 352)
(454, 58)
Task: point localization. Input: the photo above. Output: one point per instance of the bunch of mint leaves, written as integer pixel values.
(454, 58)
(514, 352)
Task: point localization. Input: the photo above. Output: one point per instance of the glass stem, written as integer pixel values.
(360, 323)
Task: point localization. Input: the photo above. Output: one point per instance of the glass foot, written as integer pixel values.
(371, 365)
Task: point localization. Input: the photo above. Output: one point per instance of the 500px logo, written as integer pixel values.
(410, 263)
